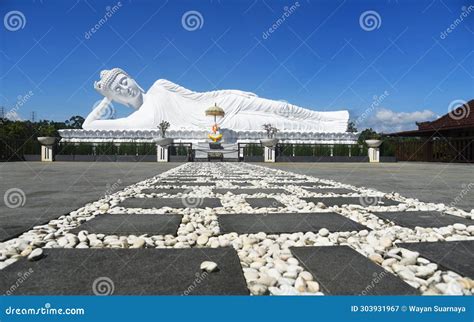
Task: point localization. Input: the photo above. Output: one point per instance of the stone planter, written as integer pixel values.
(47, 143)
(47, 140)
(269, 143)
(163, 141)
(373, 143)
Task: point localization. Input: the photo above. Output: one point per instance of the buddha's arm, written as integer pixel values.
(267, 106)
(93, 120)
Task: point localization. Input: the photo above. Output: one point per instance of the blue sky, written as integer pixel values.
(320, 57)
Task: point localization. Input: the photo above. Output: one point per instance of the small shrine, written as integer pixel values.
(215, 135)
(215, 111)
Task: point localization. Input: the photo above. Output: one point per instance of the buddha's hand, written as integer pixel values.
(102, 110)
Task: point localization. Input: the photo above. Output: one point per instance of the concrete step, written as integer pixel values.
(229, 151)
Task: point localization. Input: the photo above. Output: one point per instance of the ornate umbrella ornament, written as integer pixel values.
(215, 111)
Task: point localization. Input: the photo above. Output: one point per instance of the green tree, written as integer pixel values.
(351, 127)
(75, 122)
(368, 134)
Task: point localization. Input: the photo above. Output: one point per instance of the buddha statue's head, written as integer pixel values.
(118, 86)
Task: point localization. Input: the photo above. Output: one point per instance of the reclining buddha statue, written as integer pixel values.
(184, 109)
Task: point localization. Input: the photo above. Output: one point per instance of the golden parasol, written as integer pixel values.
(215, 111)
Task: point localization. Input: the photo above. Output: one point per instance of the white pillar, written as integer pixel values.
(374, 154)
(269, 154)
(47, 153)
(162, 153)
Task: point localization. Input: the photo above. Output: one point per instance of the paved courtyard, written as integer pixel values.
(235, 228)
(39, 191)
(448, 183)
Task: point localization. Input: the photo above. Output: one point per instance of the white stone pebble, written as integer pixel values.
(36, 254)
(209, 266)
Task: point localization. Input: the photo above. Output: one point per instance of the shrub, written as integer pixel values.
(253, 149)
(388, 148)
(341, 150)
(303, 150)
(322, 150)
(66, 148)
(146, 149)
(106, 149)
(84, 149)
(127, 149)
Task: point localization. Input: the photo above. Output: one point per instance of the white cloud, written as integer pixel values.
(386, 120)
(12, 115)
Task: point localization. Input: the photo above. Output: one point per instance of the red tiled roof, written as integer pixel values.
(460, 117)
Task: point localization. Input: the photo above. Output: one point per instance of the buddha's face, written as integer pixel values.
(122, 89)
(126, 90)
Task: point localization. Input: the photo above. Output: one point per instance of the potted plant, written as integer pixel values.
(47, 140)
(371, 138)
(374, 140)
(163, 127)
(48, 133)
(271, 131)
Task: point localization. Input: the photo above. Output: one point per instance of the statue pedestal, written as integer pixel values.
(374, 150)
(374, 155)
(269, 153)
(269, 148)
(162, 146)
(47, 143)
(47, 153)
(162, 153)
